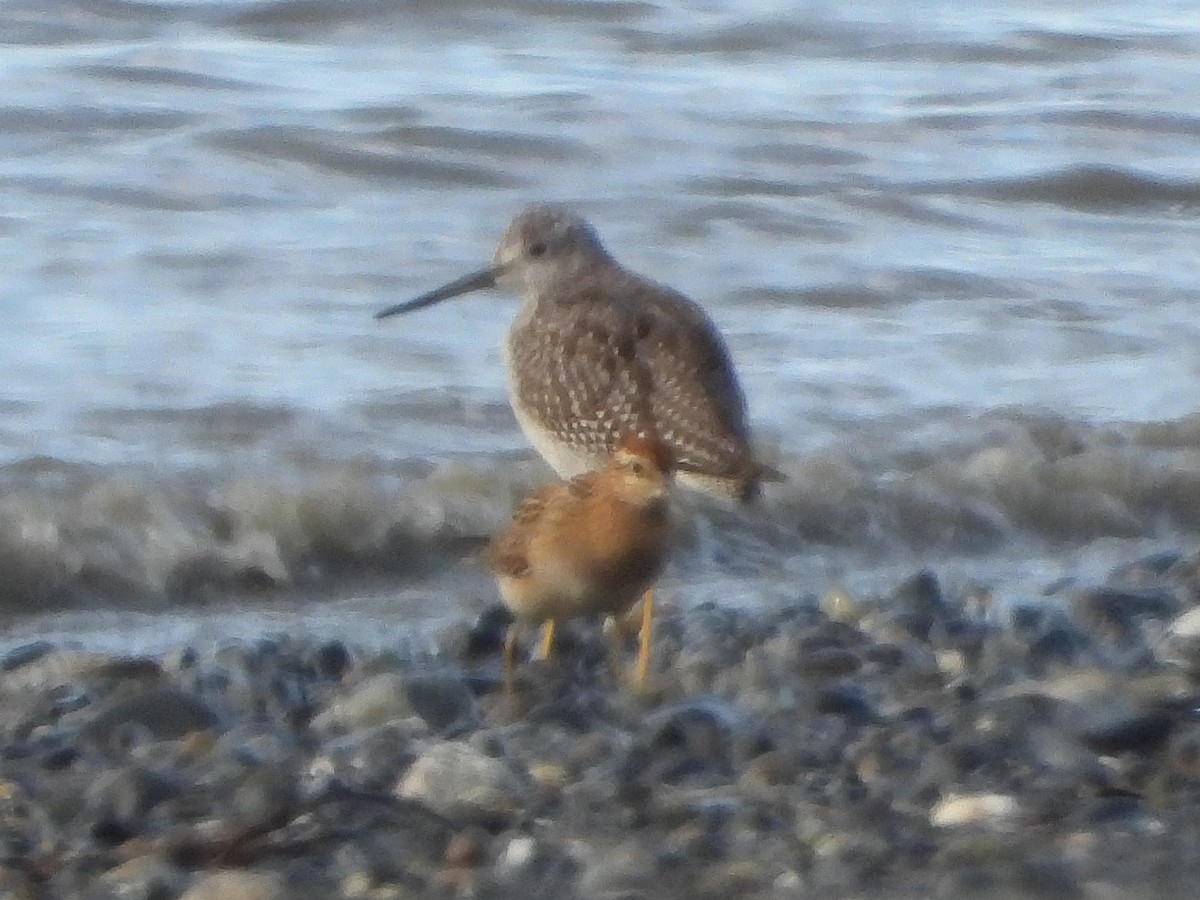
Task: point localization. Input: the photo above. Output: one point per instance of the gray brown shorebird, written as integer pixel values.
(598, 354)
(589, 546)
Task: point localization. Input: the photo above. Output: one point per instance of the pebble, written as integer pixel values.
(145, 877)
(160, 713)
(442, 699)
(1118, 610)
(467, 848)
(119, 800)
(1135, 732)
(462, 784)
(237, 885)
(376, 700)
(919, 744)
(999, 812)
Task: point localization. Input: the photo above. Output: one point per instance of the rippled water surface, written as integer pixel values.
(954, 248)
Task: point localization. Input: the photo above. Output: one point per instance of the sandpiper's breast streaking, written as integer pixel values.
(598, 354)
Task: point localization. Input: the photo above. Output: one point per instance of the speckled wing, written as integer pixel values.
(615, 359)
(508, 551)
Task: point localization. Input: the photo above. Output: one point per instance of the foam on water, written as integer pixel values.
(1017, 484)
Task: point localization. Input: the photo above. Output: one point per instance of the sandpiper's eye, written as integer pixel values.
(537, 248)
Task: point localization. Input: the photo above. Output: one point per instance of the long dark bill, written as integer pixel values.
(485, 278)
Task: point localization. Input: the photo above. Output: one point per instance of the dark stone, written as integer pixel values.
(888, 657)
(381, 757)
(965, 635)
(164, 714)
(1058, 645)
(1155, 565)
(829, 661)
(1115, 809)
(1048, 878)
(25, 654)
(703, 735)
(332, 659)
(919, 603)
(442, 699)
(1142, 733)
(847, 699)
(59, 757)
(266, 794)
(1119, 610)
(486, 635)
(1027, 618)
(118, 800)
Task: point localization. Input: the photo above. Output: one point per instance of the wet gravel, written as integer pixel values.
(917, 744)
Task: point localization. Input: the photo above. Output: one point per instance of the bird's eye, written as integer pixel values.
(537, 248)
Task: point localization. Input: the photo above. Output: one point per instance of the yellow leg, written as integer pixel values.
(510, 654)
(547, 644)
(647, 637)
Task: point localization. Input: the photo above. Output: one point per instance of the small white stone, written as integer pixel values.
(516, 856)
(998, 812)
(456, 780)
(237, 885)
(788, 883)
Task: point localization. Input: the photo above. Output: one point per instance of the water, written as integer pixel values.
(954, 249)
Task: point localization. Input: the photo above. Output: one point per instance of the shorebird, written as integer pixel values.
(589, 546)
(598, 353)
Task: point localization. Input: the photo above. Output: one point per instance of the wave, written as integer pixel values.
(1090, 188)
(74, 534)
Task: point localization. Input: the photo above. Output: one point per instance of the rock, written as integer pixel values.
(1118, 611)
(1128, 732)
(43, 669)
(238, 885)
(1182, 644)
(378, 756)
(375, 858)
(998, 812)
(119, 800)
(18, 885)
(161, 714)
(332, 659)
(24, 654)
(462, 784)
(1185, 753)
(966, 636)
(839, 606)
(622, 871)
(705, 735)
(263, 795)
(468, 848)
(143, 878)
(374, 701)
(517, 857)
(829, 662)
(442, 699)
(1044, 877)
(482, 638)
(1058, 645)
(1148, 569)
(845, 698)
(918, 603)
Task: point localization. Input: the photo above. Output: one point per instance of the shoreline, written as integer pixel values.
(919, 744)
